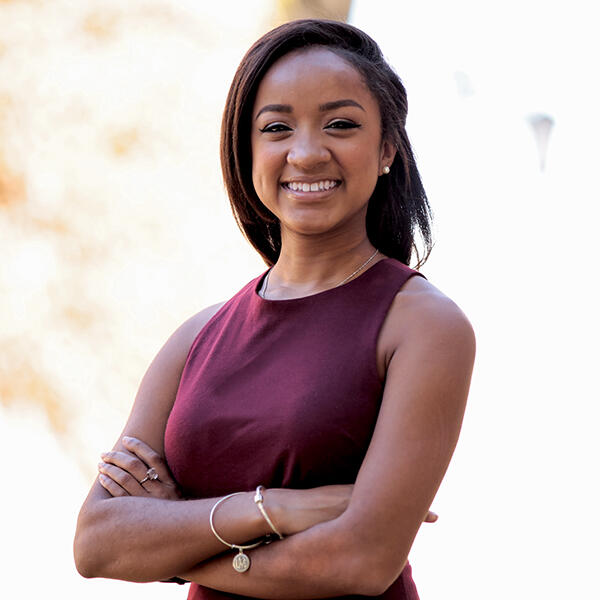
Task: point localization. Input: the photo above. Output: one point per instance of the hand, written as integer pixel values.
(294, 511)
(121, 473)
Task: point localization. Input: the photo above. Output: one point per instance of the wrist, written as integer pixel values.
(275, 506)
(259, 500)
(290, 510)
(236, 514)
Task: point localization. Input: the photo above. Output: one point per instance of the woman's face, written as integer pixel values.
(316, 143)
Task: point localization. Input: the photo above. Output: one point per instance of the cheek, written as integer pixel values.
(255, 179)
(362, 156)
(262, 183)
(363, 170)
(266, 170)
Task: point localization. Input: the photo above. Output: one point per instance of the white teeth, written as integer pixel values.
(318, 186)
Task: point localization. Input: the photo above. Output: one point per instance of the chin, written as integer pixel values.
(312, 227)
(308, 229)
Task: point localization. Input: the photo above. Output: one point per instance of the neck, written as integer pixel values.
(308, 264)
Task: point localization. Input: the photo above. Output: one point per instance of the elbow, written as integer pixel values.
(378, 579)
(84, 569)
(97, 555)
(87, 547)
(373, 568)
(90, 561)
(84, 559)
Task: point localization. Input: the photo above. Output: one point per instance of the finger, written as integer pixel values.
(149, 457)
(127, 462)
(112, 487)
(431, 517)
(123, 479)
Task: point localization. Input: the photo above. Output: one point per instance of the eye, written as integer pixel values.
(342, 124)
(275, 128)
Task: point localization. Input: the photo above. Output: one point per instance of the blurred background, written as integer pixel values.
(115, 228)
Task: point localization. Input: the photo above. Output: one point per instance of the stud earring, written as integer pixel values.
(386, 170)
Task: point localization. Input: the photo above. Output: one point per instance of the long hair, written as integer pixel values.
(398, 209)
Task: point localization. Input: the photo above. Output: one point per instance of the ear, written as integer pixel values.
(386, 155)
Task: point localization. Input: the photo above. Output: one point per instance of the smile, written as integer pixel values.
(315, 186)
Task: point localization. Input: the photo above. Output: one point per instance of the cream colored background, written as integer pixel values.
(517, 249)
(114, 228)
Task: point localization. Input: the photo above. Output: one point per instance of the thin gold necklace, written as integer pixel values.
(266, 282)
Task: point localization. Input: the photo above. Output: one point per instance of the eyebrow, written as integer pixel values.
(339, 104)
(286, 108)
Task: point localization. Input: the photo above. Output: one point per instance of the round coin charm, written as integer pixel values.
(241, 562)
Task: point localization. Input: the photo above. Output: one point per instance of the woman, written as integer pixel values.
(337, 379)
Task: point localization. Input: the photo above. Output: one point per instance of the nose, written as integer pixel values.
(307, 151)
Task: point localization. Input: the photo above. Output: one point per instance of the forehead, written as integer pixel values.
(312, 76)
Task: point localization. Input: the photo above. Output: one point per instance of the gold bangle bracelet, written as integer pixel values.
(258, 498)
(241, 561)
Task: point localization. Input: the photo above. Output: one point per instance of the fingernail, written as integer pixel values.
(126, 439)
(103, 454)
(100, 465)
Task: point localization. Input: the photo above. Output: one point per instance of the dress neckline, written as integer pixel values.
(332, 290)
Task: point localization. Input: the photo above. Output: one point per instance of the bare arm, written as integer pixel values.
(148, 539)
(165, 532)
(365, 549)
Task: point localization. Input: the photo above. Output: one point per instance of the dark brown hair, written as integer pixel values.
(398, 208)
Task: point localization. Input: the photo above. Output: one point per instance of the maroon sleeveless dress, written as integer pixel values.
(283, 393)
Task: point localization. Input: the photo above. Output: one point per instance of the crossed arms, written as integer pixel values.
(348, 541)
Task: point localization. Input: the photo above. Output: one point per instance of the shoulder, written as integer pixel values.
(165, 370)
(177, 347)
(422, 317)
(181, 341)
(158, 388)
(183, 337)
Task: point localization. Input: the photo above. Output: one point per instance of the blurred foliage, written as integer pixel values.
(114, 226)
(93, 98)
(12, 186)
(23, 384)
